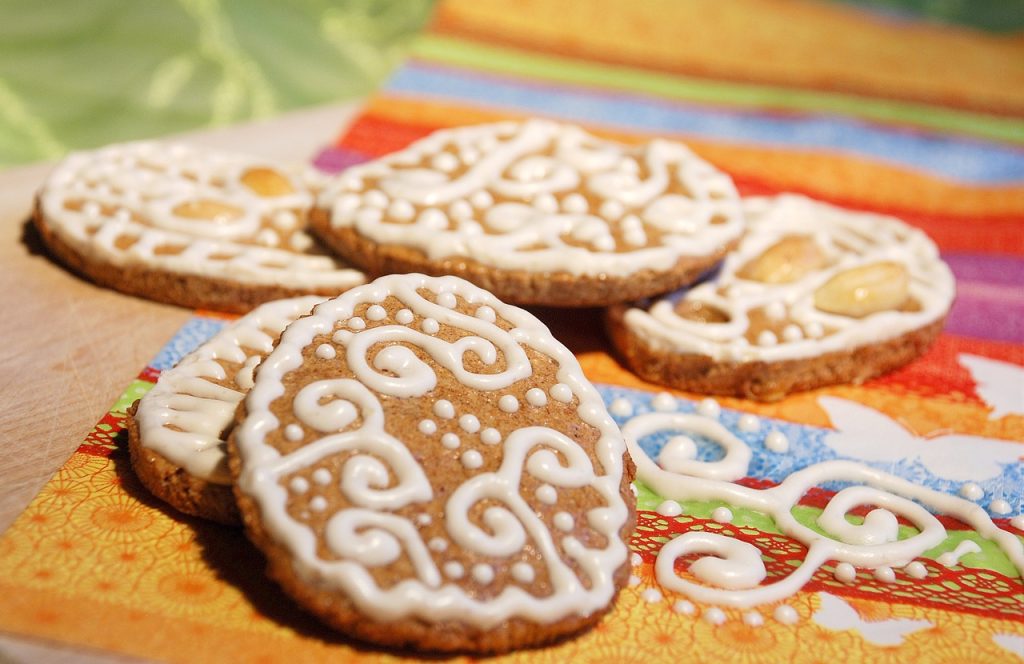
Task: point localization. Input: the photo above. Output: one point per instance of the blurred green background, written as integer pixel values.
(83, 73)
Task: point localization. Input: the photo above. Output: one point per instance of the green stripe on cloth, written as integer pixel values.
(460, 53)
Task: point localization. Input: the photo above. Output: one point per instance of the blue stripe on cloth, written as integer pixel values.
(969, 160)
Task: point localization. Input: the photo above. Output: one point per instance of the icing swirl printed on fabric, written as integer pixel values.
(807, 278)
(541, 196)
(415, 444)
(187, 210)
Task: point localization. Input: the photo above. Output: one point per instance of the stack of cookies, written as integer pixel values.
(422, 463)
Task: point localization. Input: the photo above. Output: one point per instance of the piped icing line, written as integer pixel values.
(149, 203)
(529, 180)
(530, 450)
(847, 240)
(733, 572)
(199, 410)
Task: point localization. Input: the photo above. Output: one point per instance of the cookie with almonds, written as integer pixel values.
(536, 212)
(814, 295)
(425, 466)
(176, 431)
(187, 226)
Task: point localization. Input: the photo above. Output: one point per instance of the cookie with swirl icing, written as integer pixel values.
(176, 431)
(536, 212)
(814, 295)
(188, 226)
(425, 466)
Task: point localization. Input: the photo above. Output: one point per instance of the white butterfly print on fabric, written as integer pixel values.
(999, 384)
(835, 614)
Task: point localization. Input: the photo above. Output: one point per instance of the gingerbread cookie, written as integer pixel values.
(177, 430)
(426, 466)
(814, 295)
(187, 226)
(536, 212)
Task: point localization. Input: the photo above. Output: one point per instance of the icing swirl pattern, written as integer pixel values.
(540, 196)
(191, 211)
(458, 504)
(808, 278)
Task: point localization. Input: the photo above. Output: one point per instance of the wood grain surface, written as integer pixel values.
(70, 348)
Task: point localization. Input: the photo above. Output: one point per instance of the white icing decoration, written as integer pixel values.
(845, 573)
(472, 460)
(508, 403)
(294, 433)
(708, 407)
(132, 190)
(536, 397)
(299, 485)
(847, 240)
(564, 521)
(523, 572)
(664, 402)
(634, 580)
(972, 491)
(749, 423)
(469, 423)
(438, 544)
(404, 316)
(318, 504)
(490, 436)
(482, 573)
(547, 494)
(532, 163)
(732, 466)
(722, 515)
(430, 326)
(753, 619)
(357, 323)
(561, 392)
(444, 409)
(451, 441)
(652, 595)
(325, 352)
(885, 575)
(424, 519)
(785, 614)
(777, 442)
(485, 313)
(1018, 522)
(621, 407)
(635, 559)
(684, 607)
(669, 508)
(679, 450)
(185, 397)
(916, 570)
(1000, 507)
(447, 300)
(380, 476)
(713, 615)
(376, 312)
(322, 476)
(951, 558)
(427, 427)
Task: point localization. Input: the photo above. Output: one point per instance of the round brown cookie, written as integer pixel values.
(425, 466)
(176, 431)
(186, 226)
(814, 295)
(536, 212)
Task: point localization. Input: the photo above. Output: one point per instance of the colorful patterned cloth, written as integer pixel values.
(864, 110)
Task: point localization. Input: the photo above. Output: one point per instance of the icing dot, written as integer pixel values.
(427, 427)
(575, 204)
(561, 392)
(490, 436)
(433, 218)
(753, 619)
(916, 570)
(376, 312)
(482, 573)
(485, 313)
(450, 440)
(447, 300)
(749, 423)
(481, 199)
(404, 316)
(652, 596)
(635, 559)
(792, 333)
(714, 615)
(445, 161)
(971, 491)
(375, 198)
(444, 409)
(611, 210)
(767, 338)
(1018, 522)
(785, 614)
(999, 506)
(356, 323)
(722, 515)
(430, 326)
(536, 397)
(814, 330)
(664, 402)
(845, 573)
(777, 442)
(469, 423)
(709, 408)
(885, 575)
(621, 407)
(523, 572)
(342, 337)
(684, 607)
(299, 485)
(318, 504)
(91, 209)
(472, 460)
(508, 403)
(678, 449)
(294, 433)
(401, 210)
(546, 203)
(322, 476)
(453, 570)
(546, 494)
(268, 238)
(670, 508)
(775, 310)
(564, 521)
(438, 544)
(424, 519)
(326, 352)
(634, 580)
